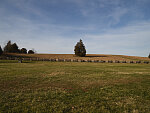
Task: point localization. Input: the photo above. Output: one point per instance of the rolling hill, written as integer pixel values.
(88, 57)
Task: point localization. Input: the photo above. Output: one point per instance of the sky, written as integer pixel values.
(119, 27)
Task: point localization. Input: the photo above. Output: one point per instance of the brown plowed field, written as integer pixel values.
(88, 57)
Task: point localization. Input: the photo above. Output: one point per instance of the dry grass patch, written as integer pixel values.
(88, 57)
(124, 73)
(54, 74)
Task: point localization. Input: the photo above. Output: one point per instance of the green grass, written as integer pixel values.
(74, 87)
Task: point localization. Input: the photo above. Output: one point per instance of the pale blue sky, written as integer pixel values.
(55, 26)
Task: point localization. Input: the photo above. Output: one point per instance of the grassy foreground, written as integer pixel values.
(74, 87)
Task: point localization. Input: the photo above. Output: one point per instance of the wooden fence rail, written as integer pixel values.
(72, 60)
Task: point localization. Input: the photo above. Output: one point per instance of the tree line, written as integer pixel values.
(13, 48)
(79, 49)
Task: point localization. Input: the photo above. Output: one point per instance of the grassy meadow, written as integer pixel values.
(74, 87)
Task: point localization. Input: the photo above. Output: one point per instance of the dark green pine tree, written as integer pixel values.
(1, 51)
(80, 49)
(8, 48)
(11, 48)
(149, 56)
(14, 48)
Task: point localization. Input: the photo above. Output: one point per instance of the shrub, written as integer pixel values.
(31, 52)
(23, 50)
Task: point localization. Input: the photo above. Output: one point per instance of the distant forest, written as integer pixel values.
(13, 48)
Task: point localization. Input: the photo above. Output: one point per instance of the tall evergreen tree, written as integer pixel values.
(1, 51)
(7, 48)
(149, 56)
(80, 49)
(11, 48)
(14, 48)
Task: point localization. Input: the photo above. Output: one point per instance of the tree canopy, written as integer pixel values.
(11, 48)
(23, 50)
(31, 52)
(1, 51)
(80, 49)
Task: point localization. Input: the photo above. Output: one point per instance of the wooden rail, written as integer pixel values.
(72, 60)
